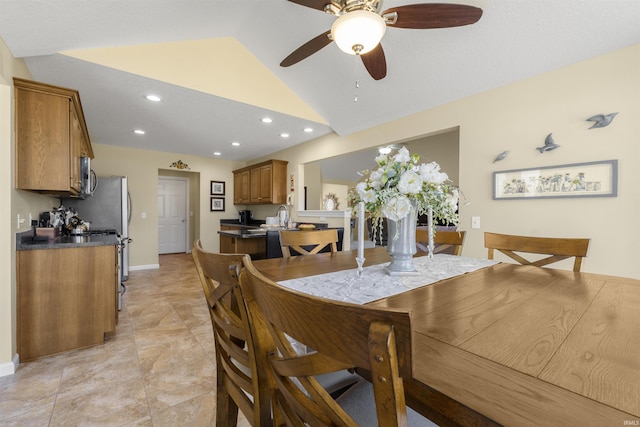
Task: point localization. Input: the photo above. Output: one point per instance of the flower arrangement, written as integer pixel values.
(399, 182)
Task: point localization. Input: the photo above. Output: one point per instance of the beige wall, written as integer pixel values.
(517, 117)
(14, 202)
(313, 182)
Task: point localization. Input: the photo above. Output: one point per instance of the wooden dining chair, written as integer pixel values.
(558, 249)
(449, 242)
(342, 336)
(307, 242)
(240, 383)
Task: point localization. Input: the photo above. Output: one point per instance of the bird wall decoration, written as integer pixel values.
(501, 156)
(549, 144)
(601, 120)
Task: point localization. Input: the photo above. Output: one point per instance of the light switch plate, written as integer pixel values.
(475, 222)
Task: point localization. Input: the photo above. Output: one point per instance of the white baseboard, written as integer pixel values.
(9, 368)
(144, 267)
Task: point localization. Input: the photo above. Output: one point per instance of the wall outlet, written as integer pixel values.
(475, 222)
(143, 215)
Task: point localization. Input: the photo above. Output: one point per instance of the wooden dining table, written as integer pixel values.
(512, 345)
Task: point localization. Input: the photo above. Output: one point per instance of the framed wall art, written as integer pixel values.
(217, 204)
(591, 179)
(217, 188)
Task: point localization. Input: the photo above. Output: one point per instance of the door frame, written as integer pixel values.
(187, 223)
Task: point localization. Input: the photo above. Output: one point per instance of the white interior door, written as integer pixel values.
(172, 215)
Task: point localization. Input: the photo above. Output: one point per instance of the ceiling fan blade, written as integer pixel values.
(375, 63)
(313, 4)
(433, 15)
(307, 49)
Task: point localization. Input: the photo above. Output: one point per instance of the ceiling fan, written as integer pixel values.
(360, 27)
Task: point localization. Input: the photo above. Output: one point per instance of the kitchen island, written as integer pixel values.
(67, 290)
(257, 239)
(250, 241)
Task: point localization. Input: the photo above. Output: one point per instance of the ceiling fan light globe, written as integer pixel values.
(358, 32)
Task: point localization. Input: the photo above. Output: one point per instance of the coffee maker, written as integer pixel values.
(245, 217)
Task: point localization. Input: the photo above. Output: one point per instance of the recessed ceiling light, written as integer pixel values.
(266, 120)
(154, 98)
(217, 153)
(235, 144)
(308, 130)
(139, 131)
(284, 135)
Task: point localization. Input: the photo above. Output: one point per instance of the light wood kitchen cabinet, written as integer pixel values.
(267, 183)
(66, 298)
(241, 187)
(51, 137)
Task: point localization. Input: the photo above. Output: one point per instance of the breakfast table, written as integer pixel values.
(497, 343)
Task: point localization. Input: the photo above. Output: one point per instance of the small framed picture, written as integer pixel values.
(217, 204)
(217, 188)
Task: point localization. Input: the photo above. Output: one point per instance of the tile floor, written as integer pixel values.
(157, 370)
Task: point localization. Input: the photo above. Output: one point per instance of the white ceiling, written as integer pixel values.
(514, 39)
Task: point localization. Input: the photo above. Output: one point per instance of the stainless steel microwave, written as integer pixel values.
(87, 178)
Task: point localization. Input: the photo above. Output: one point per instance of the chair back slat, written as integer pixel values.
(308, 242)
(342, 335)
(558, 249)
(444, 241)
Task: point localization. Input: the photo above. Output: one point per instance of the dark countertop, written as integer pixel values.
(24, 241)
(254, 223)
(244, 234)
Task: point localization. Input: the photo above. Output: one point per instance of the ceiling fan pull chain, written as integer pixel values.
(355, 72)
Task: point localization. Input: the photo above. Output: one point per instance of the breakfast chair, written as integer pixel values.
(558, 249)
(449, 242)
(307, 242)
(240, 382)
(343, 336)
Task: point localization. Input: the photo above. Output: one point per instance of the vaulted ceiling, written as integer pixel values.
(215, 64)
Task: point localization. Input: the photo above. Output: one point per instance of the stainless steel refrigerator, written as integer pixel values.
(108, 211)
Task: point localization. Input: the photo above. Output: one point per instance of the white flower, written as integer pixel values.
(370, 196)
(367, 195)
(381, 159)
(403, 156)
(397, 208)
(410, 183)
(375, 179)
(452, 200)
(430, 172)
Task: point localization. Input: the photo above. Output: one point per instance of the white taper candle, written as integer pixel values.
(430, 244)
(361, 230)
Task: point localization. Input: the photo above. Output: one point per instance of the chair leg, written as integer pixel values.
(226, 408)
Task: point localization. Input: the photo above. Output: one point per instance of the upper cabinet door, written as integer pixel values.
(51, 136)
(42, 141)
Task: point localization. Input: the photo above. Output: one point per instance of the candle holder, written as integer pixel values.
(360, 262)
